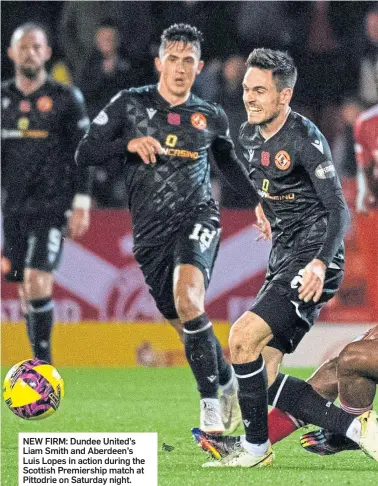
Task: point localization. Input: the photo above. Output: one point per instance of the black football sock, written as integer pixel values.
(299, 399)
(29, 332)
(253, 399)
(224, 368)
(201, 353)
(41, 322)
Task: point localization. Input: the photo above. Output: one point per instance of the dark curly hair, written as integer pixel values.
(280, 63)
(188, 34)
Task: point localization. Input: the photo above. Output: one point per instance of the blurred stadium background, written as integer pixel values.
(100, 295)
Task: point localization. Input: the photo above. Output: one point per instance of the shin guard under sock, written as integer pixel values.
(253, 399)
(201, 353)
(41, 322)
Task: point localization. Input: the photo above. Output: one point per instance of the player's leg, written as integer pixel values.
(199, 342)
(13, 263)
(358, 375)
(25, 311)
(248, 337)
(195, 255)
(324, 380)
(43, 256)
(288, 393)
(38, 287)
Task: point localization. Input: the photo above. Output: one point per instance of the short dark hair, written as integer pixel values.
(280, 63)
(28, 27)
(188, 34)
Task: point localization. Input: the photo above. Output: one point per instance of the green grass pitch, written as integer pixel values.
(165, 401)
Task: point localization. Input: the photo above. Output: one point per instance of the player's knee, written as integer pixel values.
(351, 358)
(244, 338)
(189, 303)
(37, 284)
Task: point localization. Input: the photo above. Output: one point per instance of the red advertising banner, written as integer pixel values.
(100, 280)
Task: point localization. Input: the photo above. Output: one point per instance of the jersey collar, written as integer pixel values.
(280, 129)
(165, 104)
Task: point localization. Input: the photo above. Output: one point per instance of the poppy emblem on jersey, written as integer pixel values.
(282, 160)
(198, 121)
(5, 102)
(174, 119)
(24, 106)
(265, 158)
(44, 104)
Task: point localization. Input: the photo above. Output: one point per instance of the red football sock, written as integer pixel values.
(280, 425)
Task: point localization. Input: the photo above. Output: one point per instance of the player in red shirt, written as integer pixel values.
(366, 148)
(352, 376)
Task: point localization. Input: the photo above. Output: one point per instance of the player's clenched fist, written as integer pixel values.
(146, 148)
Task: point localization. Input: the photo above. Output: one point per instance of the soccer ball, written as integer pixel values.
(33, 389)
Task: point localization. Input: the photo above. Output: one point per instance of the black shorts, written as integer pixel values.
(196, 242)
(278, 300)
(32, 242)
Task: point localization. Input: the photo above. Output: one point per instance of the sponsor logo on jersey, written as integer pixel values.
(101, 119)
(318, 144)
(7, 134)
(282, 160)
(325, 170)
(265, 158)
(151, 112)
(24, 106)
(174, 119)
(23, 123)
(280, 197)
(44, 104)
(198, 120)
(171, 152)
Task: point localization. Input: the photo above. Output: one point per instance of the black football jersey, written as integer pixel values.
(294, 175)
(161, 195)
(40, 133)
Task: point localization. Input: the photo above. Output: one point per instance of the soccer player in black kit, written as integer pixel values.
(290, 165)
(165, 133)
(42, 123)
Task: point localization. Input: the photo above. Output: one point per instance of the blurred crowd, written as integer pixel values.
(104, 47)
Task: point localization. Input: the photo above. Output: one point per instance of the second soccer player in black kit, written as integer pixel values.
(42, 123)
(165, 132)
(290, 164)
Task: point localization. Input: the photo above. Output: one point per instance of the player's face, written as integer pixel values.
(29, 53)
(178, 68)
(262, 101)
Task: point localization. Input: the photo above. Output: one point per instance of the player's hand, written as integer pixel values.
(146, 148)
(78, 223)
(262, 225)
(365, 201)
(313, 281)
